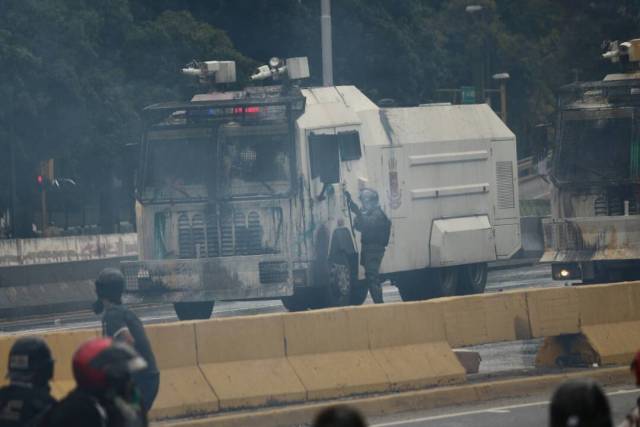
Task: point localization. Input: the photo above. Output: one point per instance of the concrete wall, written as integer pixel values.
(15, 252)
(56, 274)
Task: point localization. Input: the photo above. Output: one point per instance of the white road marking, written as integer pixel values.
(499, 410)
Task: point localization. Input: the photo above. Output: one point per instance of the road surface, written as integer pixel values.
(525, 412)
(528, 276)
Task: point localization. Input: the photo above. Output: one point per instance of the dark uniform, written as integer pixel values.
(374, 228)
(117, 319)
(23, 404)
(25, 400)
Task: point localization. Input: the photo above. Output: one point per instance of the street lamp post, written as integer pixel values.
(483, 65)
(502, 78)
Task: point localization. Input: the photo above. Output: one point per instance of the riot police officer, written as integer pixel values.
(105, 394)
(27, 397)
(374, 227)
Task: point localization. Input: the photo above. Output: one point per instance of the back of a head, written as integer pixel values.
(339, 416)
(30, 361)
(579, 403)
(110, 284)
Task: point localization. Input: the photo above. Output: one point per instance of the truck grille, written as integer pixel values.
(233, 232)
(612, 204)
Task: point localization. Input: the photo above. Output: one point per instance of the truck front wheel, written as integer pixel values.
(193, 310)
(304, 299)
(472, 278)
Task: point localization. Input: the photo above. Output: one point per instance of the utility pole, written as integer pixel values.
(327, 49)
(12, 184)
(502, 79)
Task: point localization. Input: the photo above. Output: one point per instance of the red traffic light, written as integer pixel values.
(40, 179)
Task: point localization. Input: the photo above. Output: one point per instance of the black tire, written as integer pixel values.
(338, 291)
(413, 286)
(193, 310)
(304, 299)
(412, 292)
(445, 281)
(472, 278)
(359, 292)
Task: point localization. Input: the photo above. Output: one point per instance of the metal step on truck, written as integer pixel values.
(241, 194)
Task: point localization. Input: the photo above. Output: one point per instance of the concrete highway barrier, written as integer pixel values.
(248, 362)
(183, 387)
(485, 318)
(329, 351)
(243, 360)
(587, 324)
(409, 343)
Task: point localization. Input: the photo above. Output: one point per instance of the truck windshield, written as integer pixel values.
(177, 163)
(255, 160)
(595, 149)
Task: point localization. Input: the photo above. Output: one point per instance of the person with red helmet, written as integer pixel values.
(27, 397)
(122, 324)
(105, 394)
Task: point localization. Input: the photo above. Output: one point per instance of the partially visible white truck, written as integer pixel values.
(241, 196)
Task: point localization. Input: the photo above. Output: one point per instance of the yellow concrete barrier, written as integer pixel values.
(553, 311)
(6, 342)
(63, 345)
(408, 341)
(486, 318)
(243, 359)
(183, 388)
(329, 351)
(591, 324)
(609, 318)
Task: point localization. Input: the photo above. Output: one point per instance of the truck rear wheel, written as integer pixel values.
(193, 310)
(413, 286)
(445, 281)
(472, 278)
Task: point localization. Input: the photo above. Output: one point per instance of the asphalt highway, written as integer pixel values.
(526, 412)
(498, 280)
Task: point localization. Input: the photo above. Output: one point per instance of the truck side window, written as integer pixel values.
(324, 156)
(349, 145)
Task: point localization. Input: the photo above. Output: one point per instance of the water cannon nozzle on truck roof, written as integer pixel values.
(628, 51)
(212, 71)
(293, 69)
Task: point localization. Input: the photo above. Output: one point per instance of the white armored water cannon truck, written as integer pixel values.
(594, 230)
(241, 194)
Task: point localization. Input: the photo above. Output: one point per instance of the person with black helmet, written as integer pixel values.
(122, 324)
(374, 227)
(27, 397)
(105, 394)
